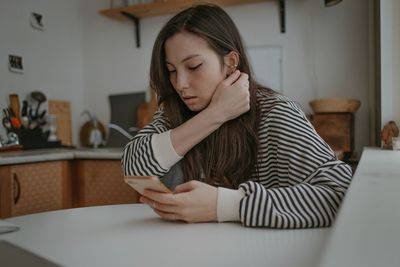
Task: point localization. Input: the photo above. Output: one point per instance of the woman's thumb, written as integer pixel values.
(186, 187)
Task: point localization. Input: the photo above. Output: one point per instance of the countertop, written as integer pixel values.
(51, 154)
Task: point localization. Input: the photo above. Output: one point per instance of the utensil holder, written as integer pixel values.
(35, 138)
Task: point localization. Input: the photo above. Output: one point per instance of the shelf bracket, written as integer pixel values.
(135, 20)
(282, 15)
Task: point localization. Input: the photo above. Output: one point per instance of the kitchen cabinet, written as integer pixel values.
(163, 7)
(100, 182)
(51, 179)
(34, 187)
(337, 129)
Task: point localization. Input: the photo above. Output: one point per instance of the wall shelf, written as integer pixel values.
(158, 8)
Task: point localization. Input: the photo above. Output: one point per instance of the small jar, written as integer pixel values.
(396, 143)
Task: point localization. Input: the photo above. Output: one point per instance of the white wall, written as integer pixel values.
(390, 61)
(83, 56)
(112, 63)
(52, 58)
(325, 52)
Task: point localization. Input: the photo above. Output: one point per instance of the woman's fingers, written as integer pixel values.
(159, 205)
(165, 211)
(167, 216)
(232, 78)
(166, 198)
(232, 97)
(243, 80)
(195, 202)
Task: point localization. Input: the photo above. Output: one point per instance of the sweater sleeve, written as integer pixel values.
(150, 152)
(301, 183)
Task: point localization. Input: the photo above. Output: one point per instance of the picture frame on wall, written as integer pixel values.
(36, 21)
(15, 64)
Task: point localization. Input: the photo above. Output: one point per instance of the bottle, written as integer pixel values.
(95, 136)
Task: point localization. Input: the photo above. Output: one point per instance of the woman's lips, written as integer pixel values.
(189, 100)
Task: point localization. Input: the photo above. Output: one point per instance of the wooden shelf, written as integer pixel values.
(160, 7)
(163, 7)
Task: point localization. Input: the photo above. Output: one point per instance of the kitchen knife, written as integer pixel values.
(24, 111)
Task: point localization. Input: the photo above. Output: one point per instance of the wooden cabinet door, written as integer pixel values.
(100, 182)
(35, 187)
(337, 129)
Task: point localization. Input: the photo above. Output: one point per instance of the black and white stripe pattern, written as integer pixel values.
(301, 183)
(138, 158)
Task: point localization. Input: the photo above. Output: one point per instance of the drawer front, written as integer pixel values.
(101, 183)
(36, 187)
(336, 129)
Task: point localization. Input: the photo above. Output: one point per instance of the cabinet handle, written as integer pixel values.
(17, 188)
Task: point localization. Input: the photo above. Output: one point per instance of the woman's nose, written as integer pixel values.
(181, 81)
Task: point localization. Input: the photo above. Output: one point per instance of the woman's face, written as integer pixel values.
(194, 69)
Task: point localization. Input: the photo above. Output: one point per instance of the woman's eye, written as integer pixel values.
(195, 67)
(171, 71)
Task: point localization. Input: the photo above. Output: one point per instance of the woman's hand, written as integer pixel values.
(193, 201)
(231, 97)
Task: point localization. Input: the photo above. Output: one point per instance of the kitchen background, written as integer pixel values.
(83, 57)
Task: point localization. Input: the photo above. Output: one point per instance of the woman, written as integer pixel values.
(231, 149)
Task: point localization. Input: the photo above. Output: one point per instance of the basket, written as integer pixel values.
(335, 105)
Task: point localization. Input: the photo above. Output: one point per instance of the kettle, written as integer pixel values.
(92, 133)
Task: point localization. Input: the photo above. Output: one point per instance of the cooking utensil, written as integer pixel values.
(15, 105)
(25, 121)
(7, 123)
(41, 116)
(6, 114)
(6, 119)
(15, 123)
(24, 111)
(40, 98)
(30, 112)
(33, 124)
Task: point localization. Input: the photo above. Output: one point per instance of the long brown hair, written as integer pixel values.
(228, 155)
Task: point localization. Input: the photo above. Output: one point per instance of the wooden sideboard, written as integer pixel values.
(32, 187)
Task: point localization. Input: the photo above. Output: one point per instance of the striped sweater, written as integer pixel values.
(301, 183)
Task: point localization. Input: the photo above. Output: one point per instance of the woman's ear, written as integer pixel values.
(231, 61)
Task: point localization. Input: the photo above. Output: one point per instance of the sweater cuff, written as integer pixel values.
(228, 204)
(163, 150)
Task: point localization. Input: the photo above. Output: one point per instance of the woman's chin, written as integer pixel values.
(195, 107)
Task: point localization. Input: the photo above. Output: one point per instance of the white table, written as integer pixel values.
(132, 235)
(366, 232)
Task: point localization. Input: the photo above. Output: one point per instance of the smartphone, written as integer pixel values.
(140, 183)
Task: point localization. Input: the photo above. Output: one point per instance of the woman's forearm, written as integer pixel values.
(193, 131)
